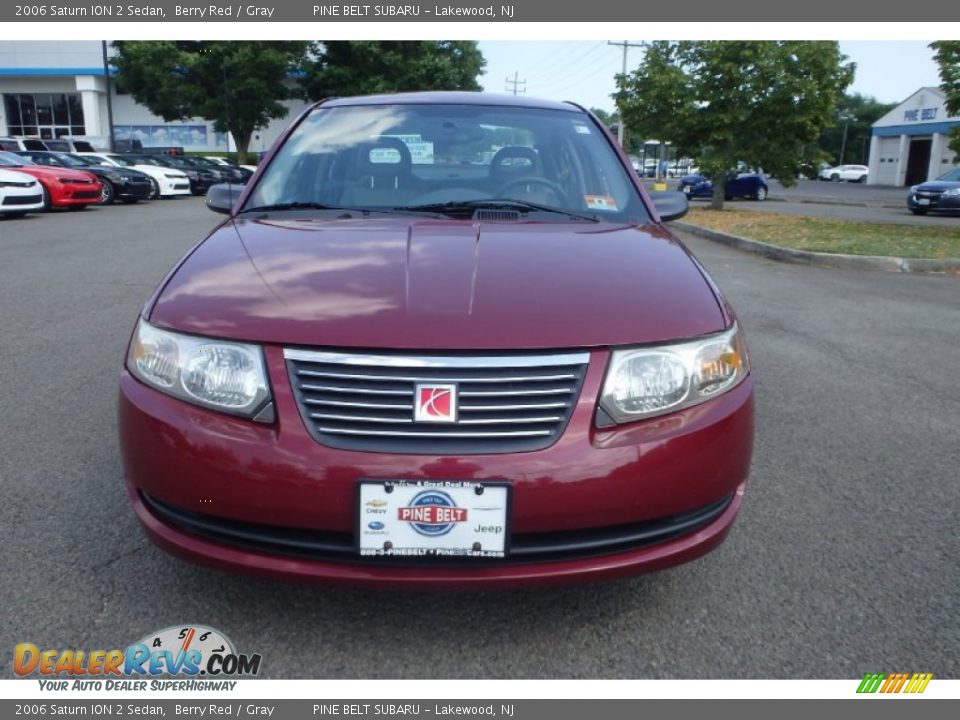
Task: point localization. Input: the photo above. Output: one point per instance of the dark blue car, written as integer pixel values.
(940, 194)
(748, 185)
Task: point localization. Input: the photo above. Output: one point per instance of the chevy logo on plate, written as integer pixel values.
(435, 403)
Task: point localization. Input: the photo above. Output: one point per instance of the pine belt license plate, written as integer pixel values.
(433, 518)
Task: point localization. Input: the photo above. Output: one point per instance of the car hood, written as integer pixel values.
(938, 186)
(411, 283)
(45, 171)
(159, 172)
(15, 176)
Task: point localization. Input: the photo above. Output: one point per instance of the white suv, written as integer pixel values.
(850, 173)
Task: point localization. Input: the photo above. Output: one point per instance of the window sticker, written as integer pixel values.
(581, 128)
(601, 202)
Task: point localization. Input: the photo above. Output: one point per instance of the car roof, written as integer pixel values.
(453, 98)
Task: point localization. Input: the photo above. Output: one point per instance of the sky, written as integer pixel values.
(582, 71)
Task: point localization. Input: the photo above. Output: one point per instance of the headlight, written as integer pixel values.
(913, 189)
(649, 381)
(952, 191)
(226, 376)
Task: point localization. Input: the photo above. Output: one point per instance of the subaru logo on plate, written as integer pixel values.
(375, 525)
(432, 513)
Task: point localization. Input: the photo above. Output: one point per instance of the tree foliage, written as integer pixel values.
(760, 103)
(858, 113)
(366, 67)
(948, 59)
(238, 86)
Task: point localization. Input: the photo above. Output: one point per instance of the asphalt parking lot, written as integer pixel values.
(845, 559)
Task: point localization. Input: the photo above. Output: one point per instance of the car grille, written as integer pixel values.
(505, 403)
(23, 200)
(325, 545)
(86, 195)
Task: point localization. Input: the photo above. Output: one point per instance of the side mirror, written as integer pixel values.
(671, 205)
(222, 197)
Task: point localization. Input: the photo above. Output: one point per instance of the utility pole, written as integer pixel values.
(621, 133)
(106, 80)
(516, 83)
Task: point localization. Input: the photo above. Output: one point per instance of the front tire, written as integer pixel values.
(918, 211)
(108, 193)
(862, 180)
(154, 189)
(834, 178)
(760, 194)
(47, 203)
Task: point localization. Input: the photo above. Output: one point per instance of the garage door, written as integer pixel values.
(889, 153)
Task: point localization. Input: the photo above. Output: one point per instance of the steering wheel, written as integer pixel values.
(553, 187)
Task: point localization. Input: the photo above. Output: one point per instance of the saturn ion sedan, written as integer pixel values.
(441, 340)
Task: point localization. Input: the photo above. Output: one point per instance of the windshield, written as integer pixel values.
(401, 157)
(76, 160)
(9, 159)
(120, 160)
(951, 176)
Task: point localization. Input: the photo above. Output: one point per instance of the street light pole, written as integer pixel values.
(621, 126)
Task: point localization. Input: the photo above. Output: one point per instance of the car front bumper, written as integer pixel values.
(230, 493)
(934, 202)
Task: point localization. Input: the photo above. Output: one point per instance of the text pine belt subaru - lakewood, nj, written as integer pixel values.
(440, 340)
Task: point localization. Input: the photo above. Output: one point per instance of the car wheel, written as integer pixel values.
(834, 178)
(918, 211)
(862, 180)
(107, 193)
(761, 193)
(154, 189)
(47, 204)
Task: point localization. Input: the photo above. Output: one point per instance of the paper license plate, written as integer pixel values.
(433, 518)
(923, 201)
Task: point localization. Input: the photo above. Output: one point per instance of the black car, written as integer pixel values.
(942, 194)
(229, 173)
(201, 179)
(117, 183)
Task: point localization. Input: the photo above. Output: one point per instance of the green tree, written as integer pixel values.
(607, 118)
(237, 85)
(367, 67)
(856, 113)
(948, 58)
(755, 102)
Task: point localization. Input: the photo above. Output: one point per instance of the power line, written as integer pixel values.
(516, 84)
(621, 126)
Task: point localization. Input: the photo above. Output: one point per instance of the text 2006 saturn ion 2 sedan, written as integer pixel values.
(441, 340)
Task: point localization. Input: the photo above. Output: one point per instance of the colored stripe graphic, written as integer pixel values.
(894, 682)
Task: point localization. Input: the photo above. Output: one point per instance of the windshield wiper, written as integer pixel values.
(343, 208)
(460, 206)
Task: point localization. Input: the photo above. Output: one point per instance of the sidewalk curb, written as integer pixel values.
(834, 260)
(815, 200)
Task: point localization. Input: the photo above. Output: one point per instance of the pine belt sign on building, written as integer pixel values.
(909, 145)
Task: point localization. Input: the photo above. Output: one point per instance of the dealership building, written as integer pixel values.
(908, 145)
(55, 89)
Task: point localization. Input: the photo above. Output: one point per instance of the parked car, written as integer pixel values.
(201, 179)
(12, 144)
(167, 182)
(227, 161)
(850, 173)
(227, 172)
(70, 145)
(739, 185)
(940, 195)
(60, 187)
(19, 193)
(125, 184)
(384, 372)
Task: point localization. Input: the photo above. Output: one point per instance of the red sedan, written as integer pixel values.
(62, 187)
(441, 340)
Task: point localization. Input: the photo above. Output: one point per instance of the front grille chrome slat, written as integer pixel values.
(506, 403)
